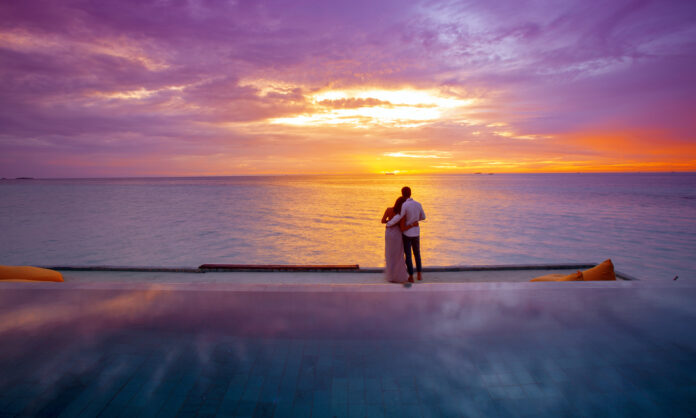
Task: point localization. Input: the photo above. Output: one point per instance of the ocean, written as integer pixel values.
(646, 223)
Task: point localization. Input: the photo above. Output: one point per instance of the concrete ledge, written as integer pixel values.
(624, 276)
(126, 268)
(280, 267)
(353, 268)
(248, 287)
(348, 268)
(494, 267)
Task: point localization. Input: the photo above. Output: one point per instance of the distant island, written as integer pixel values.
(24, 178)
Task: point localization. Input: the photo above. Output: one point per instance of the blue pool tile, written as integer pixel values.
(374, 411)
(171, 407)
(286, 393)
(588, 404)
(526, 407)
(536, 390)
(321, 403)
(17, 405)
(269, 390)
(292, 370)
(283, 410)
(535, 374)
(356, 390)
(101, 398)
(472, 393)
(339, 391)
(324, 364)
(252, 391)
(339, 410)
(304, 396)
(5, 401)
(79, 403)
(401, 410)
(372, 384)
(264, 410)
(389, 383)
(373, 397)
(227, 408)
(491, 379)
(241, 409)
(146, 403)
(506, 392)
(302, 409)
(357, 410)
(312, 347)
(495, 408)
(391, 398)
(233, 393)
(118, 405)
(676, 408)
(409, 396)
(53, 402)
(522, 377)
(306, 381)
(322, 380)
(549, 372)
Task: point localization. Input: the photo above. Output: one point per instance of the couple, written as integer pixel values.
(403, 234)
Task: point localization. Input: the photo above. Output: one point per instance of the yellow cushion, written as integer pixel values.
(602, 271)
(34, 274)
(557, 277)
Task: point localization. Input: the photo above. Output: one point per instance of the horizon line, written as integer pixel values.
(344, 174)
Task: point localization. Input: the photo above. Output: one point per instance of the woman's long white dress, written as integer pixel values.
(394, 266)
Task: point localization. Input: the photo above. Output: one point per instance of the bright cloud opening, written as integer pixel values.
(419, 154)
(395, 108)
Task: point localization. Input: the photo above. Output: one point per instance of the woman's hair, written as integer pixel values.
(397, 205)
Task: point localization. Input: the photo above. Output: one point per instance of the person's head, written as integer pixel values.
(406, 192)
(399, 202)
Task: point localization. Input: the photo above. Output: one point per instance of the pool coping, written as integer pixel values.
(509, 288)
(352, 268)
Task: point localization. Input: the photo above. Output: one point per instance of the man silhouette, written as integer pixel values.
(412, 211)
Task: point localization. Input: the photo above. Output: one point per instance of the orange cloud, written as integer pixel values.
(653, 150)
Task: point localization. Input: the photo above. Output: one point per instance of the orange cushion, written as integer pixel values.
(34, 274)
(557, 277)
(602, 271)
(574, 277)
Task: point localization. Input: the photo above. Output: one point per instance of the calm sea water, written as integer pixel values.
(646, 223)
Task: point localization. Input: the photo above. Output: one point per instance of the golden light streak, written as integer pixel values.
(403, 108)
(418, 154)
(510, 134)
(447, 166)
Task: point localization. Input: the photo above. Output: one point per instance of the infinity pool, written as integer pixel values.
(506, 349)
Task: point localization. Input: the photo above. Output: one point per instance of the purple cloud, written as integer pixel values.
(115, 78)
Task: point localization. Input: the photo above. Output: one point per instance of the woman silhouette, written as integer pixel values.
(395, 266)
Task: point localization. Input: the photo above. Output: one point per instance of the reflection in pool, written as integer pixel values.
(491, 352)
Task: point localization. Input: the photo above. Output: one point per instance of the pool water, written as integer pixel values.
(620, 349)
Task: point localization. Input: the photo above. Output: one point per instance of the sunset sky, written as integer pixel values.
(159, 88)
